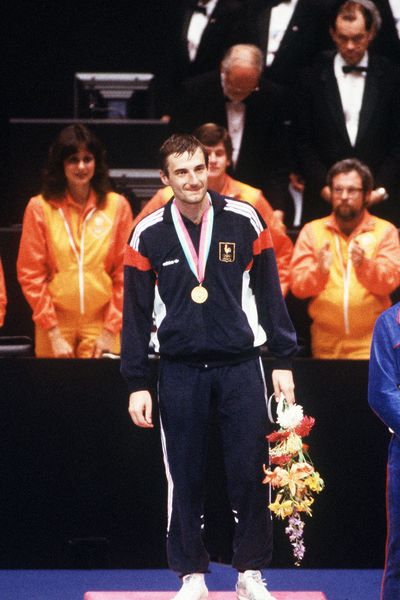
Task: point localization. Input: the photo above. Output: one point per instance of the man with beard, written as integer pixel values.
(348, 264)
(347, 106)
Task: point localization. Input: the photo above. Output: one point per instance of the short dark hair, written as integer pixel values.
(69, 141)
(352, 164)
(179, 143)
(211, 134)
(348, 9)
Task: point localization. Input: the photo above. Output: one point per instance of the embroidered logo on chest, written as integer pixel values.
(227, 251)
(100, 225)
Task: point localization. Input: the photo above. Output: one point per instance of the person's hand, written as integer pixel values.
(165, 119)
(140, 408)
(60, 347)
(356, 254)
(297, 182)
(377, 195)
(325, 258)
(282, 381)
(280, 217)
(104, 343)
(326, 193)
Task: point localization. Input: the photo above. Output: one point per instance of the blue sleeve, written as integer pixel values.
(271, 307)
(384, 380)
(137, 322)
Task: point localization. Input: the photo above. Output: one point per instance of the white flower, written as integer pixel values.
(289, 416)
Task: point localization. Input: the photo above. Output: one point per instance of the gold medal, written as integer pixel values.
(199, 294)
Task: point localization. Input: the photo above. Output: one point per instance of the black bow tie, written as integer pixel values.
(354, 69)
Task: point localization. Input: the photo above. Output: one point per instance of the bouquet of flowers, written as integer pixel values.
(294, 476)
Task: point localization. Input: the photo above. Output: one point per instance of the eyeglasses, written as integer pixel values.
(352, 192)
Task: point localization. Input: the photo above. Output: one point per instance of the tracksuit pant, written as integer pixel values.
(185, 395)
(391, 577)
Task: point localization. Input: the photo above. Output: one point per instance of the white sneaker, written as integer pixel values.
(250, 586)
(193, 588)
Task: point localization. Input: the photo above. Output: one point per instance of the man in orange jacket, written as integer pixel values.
(218, 144)
(348, 264)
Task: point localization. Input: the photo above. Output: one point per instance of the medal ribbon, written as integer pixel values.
(197, 263)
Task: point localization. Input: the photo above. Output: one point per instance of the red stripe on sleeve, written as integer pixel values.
(263, 242)
(133, 258)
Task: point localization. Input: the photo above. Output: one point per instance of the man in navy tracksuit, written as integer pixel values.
(203, 266)
(384, 399)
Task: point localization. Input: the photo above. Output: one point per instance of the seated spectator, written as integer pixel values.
(218, 145)
(70, 257)
(348, 107)
(348, 264)
(3, 296)
(238, 98)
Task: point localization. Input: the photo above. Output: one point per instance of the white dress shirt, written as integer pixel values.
(351, 89)
(235, 115)
(197, 25)
(279, 21)
(395, 6)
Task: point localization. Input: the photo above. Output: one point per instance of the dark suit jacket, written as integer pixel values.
(387, 42)
(263, 156)
(306, 35)
(224, 29)
(321, 134)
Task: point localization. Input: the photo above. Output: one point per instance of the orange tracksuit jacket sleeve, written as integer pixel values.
(306, 278)
(36, 265)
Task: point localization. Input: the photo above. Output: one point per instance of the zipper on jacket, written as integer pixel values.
(80, 256)
(346, 273)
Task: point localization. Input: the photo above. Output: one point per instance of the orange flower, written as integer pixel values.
(277, 478)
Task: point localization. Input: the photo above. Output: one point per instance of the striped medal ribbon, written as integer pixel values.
(196, 262)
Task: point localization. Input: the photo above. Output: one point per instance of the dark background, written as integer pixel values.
(81, 487)
(45, 42)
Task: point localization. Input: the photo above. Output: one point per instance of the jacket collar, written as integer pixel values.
(367, 224)
(217, 201)
(67, 201)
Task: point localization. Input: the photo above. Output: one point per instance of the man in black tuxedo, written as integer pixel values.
(200, 33)
(348, 107)
(289, 33)
(250, 107)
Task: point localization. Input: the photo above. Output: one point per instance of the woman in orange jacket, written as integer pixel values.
(70, 257)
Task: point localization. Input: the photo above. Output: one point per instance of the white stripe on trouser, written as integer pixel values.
(167, 473)
(270, 418)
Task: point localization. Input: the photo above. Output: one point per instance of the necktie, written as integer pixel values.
(354, 69)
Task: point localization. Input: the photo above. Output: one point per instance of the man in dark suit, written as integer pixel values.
(237, 98)
(200, 33)
(348, 107)
(289, 33)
